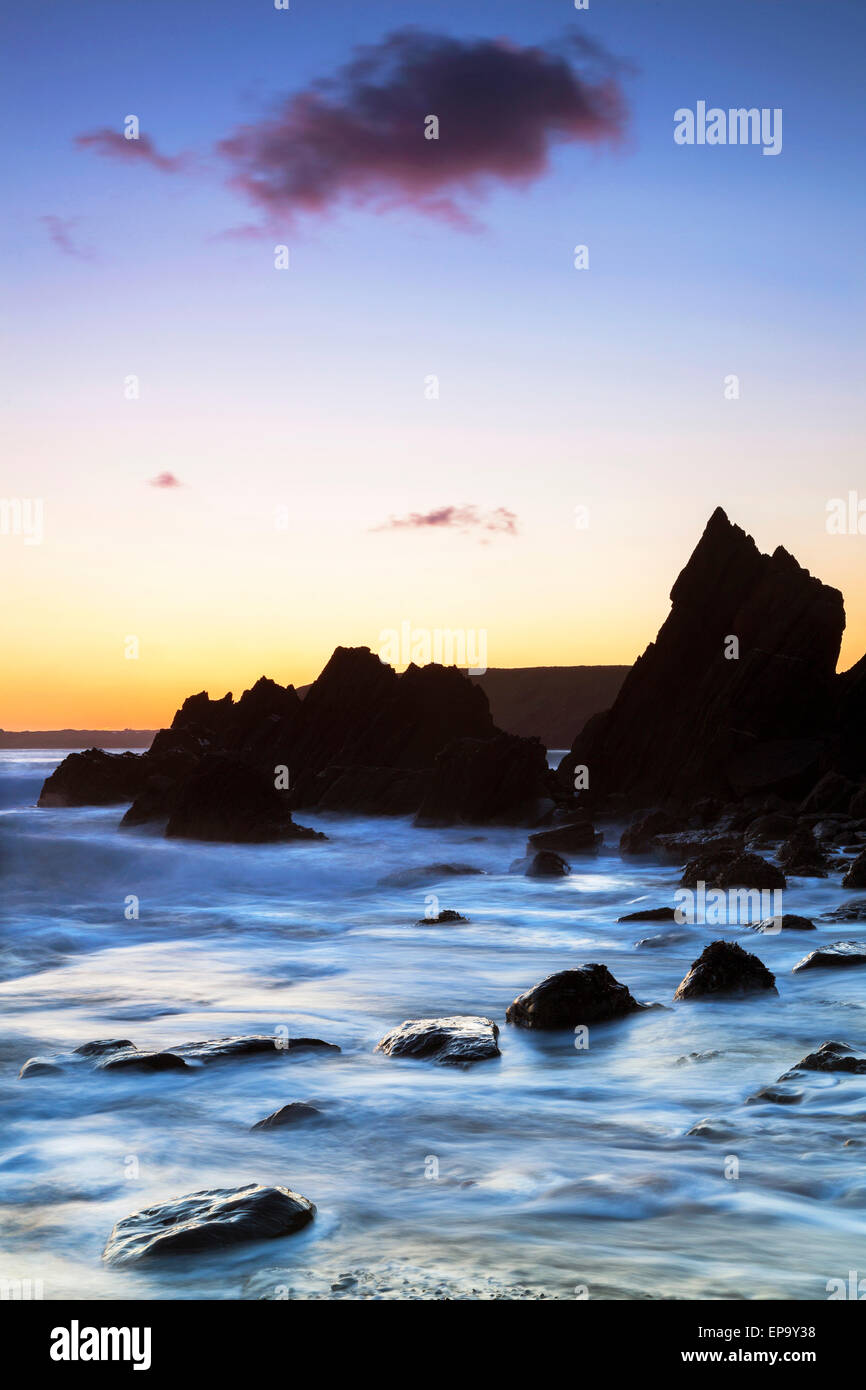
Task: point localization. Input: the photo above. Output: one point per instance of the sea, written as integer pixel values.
(637, 1167)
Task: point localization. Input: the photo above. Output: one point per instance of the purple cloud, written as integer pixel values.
(463, 518)
(114, 145)
(61, 234)
(165, 480)
(359, 137)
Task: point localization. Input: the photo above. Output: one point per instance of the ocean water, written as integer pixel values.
(552, 1171)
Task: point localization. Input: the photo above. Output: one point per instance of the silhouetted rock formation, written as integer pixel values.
(496, 781)
(690, 721)
(364, 740)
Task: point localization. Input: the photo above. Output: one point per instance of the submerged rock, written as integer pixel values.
(103, 1045)
(426, 873)
(545, 864)
(292, 1114)
(830, 1056)
(454, 1041)
(650, 914)
(775, 1095)
(207, 1221)
(853, 911)
(664, 938)
(39, 1066)
(446, 915)
(589, 994)
(787, 921)
(256, 1044)
(725, 968)
(839, 953)
(143, 1061)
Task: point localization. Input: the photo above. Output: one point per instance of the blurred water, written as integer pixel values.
(557, 1168)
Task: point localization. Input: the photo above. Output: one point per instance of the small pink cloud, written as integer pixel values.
(60, 230)
(165, 480)
(115, 145)
(463, 518)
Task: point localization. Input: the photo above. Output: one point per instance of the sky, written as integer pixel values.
(287, 478)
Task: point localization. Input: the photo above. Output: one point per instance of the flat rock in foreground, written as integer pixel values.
(208, 1220)
(454, 1041)
(589, 994)
(840, 953)
(725, 968)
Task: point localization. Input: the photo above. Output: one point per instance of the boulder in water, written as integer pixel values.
(454, 1041)
(724, 968)
(206, 1221)
(570, 998)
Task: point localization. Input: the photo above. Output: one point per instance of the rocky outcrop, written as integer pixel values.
(698, 717)
(363, 741)
(570, 998)
(456, 1041)
(122, 1055)
(227, 799)
(500, 781)
(724, 968)
(839, 954)
(94, 778)
(207, 1221)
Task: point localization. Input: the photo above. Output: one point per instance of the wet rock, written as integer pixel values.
(665, 938)
(650, 914)
(254, 1045)
(775, 1095)
(426, 873)
(712, 1129)
(39, 1066)
(206, 1221)
(724, 968)
(787, 921)
(227, 800)
(852, 911)
(545, 864)
(446, 915)
(143, 1061)
(454, 1041)
(577, 838)
(830, 1056)
(856, 875)
(690, 844)
(838, 954)
(832, 792)
(733, 871)
(103, 1045)
(638, 838)
(292, 1114)
(589, 994)
(802, 856)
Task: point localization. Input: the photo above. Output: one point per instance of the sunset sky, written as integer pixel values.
(238, 518)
